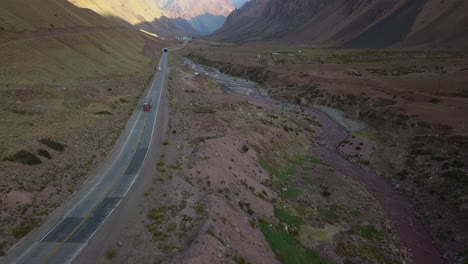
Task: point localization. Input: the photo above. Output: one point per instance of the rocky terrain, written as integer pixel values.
(413, 102)
(361, 23)
(240, 180)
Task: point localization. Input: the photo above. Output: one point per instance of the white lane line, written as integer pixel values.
(97, 183)
(152, 131)
(134, 179)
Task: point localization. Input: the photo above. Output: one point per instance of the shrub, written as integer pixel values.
(111, 253)
(24, 157)
(52, 144)
(44, 153)
(369, 232)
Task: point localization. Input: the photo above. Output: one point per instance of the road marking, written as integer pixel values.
(164, 60)
(119, 178)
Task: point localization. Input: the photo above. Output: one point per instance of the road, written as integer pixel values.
(62, 241)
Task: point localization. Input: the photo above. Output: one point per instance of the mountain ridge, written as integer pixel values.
(356, 23)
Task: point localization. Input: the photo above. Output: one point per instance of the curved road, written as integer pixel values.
(68, 236)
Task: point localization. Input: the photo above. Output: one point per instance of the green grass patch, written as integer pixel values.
(21, 230)
(369, 232)
(291, 193)
(332, 215)
(165, 143)
(356, 213)
(288, 249)
(111, 254)
(367, 134)
(371, 253)
(299, 159)
(285, 217)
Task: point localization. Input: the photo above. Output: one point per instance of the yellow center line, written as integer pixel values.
(47, 258)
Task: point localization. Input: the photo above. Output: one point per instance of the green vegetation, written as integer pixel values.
(52, 144)
(103, 113)
(301, 158)
(371, 253)
(344, 56)
(356, 213)
(175, 166)
(333, 214)
(158, 214)
(395, 71)
(111, 253)
(288, 249)
(199, 210)
(21, 230)
(24, 157)
(457, 175)
(367, 134)
(281, 179)
(285, 217)
(369, 232)
(165, 143)
(161, 163)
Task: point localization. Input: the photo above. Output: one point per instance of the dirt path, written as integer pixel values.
(411, 230)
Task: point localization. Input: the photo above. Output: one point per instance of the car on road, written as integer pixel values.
(165, 50)
(147, 105)
(159, 68)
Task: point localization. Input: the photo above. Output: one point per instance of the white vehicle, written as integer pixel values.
(159, 68)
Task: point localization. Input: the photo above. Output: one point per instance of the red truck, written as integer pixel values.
(147, 105)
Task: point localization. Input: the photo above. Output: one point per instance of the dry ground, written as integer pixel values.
(66, 95)
(414, 101)
(238, 177)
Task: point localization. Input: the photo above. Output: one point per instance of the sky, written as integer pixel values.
(239, 3)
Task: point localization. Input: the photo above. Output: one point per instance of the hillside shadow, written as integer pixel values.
(207, 23)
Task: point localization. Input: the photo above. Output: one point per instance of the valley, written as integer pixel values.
(233, 131)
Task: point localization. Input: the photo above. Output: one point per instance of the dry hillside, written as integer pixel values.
(141, 13)
(364, 24)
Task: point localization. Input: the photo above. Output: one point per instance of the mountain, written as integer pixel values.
(205, 16)
(239, 3)
(351, 23)
(143, 14)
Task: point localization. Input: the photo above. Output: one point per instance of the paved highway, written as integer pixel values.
(67, 237)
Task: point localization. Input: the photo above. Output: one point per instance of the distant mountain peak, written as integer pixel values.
(205, 16)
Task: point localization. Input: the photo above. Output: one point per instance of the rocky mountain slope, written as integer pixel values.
(357, 23)
(205, 16)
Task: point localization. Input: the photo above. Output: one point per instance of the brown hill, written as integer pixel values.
(356, 23)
